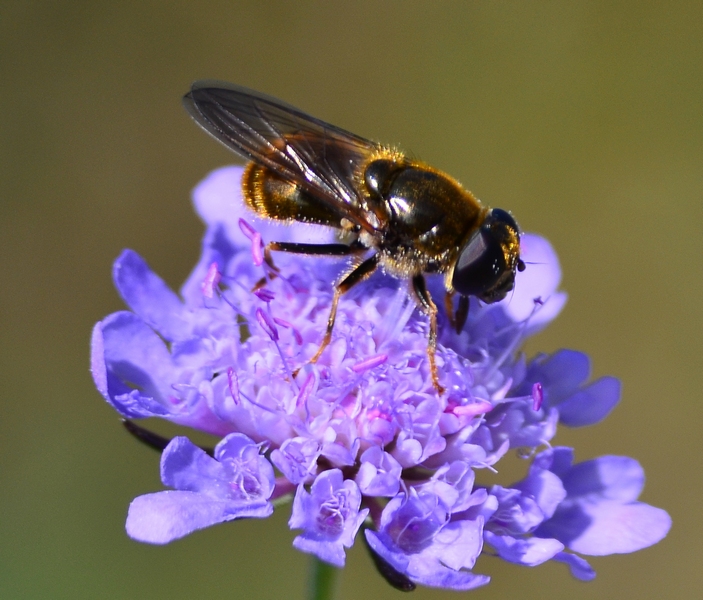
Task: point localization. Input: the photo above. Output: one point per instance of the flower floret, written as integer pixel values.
(235, 484)
(329, 516)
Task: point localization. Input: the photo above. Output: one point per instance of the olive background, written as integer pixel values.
(585, 119)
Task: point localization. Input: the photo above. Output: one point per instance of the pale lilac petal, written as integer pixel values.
(126, 350)
(439, 576)
(545, 488)
(379, 473)
(218, 199)
(524, 551)
(614, 528)
(149, 297)
(579, 567)
(187, 467)
(166, 516)
(600, 514)
(608, 477)
(560, 374)
(591, 404)
(539, 280)
(97, 360)
(460, 543)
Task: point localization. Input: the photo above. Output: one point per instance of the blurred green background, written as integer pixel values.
(583, 118)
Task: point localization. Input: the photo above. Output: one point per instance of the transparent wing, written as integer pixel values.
(318, 156)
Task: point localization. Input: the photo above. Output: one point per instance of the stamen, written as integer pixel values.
(267, 324)
(247, 229)
(257, 247)
(537, 396)
(264, 295)
(479, 407)
(212, 279)
(370, 363)
(285, 324)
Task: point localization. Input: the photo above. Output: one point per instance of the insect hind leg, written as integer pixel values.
(309, 249)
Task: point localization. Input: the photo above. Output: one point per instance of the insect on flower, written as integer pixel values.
(392, 212)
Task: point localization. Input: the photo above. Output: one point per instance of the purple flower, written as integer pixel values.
(379, 473)
(600, 513)
(329, 515)
(236, 483)
(418, 537)
(361, 437)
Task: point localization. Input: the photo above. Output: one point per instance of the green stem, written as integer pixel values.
(323, 577)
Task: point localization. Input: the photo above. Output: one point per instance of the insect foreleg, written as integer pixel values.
(462, 312)
(430, 309)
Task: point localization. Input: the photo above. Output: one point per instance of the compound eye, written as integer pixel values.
(503, 217)
(480, 266)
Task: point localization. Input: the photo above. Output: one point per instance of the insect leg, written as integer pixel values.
(457, 319)
(311, 249)
(430, 309)
(462, 312)
(359, 273)
(449, 308)
(317, 249)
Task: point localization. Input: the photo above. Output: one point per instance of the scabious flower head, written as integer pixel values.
(361, 439)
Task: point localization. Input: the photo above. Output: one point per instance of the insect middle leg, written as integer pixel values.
(430, 309)
(358, 274)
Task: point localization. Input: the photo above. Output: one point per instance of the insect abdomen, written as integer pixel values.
(271, 196)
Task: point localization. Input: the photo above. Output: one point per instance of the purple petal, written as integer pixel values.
(459, 543)
(439, 576)
(131, 352)
(218, 200)
(297, 459)
(427, 571)
(97, 360)
(326, 551)
(149, 297)
(591, 404)
(379, 473)
(545, 488)
(540, 280)
(578, 566)
(250, 476)
(166, 516)
(560, 374)
(608, 477)
(186, 467)
(217, 249)
(524, 551)
(558, 460)
(616, 528)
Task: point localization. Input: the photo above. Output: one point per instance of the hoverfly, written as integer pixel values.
(398, 214)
